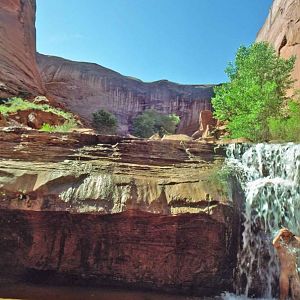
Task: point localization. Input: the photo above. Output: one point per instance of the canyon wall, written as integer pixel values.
(19, 74)
(85, 87)
(282, 30)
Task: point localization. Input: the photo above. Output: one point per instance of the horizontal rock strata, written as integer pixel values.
(106, 174)
(108, 210)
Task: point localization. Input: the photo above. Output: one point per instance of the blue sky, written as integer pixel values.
(185, 41)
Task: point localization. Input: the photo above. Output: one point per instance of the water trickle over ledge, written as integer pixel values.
(269, 175)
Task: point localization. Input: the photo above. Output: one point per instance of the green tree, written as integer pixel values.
(258, 81)
(287, 127)
(105, 122)
(151, 122)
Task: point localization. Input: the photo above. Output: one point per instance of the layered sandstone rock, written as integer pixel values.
(77, 208)
(93, 173)
(282, 30)
(85, 88)
(18, 69)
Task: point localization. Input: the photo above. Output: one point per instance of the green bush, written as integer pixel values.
(105, 122)
(258, 81)
(67, 126)
(151, 122)
(17, 104)
(287, 128)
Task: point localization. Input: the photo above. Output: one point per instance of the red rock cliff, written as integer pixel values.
(18, 69)
(282, 30)
(85, 88)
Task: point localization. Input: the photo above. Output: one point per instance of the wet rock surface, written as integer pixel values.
(185, 253)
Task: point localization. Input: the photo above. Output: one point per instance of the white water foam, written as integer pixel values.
(269, 175)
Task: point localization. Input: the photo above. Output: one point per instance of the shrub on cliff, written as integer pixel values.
(151, 122)
(66, 127)
(14, 105)
(287, 128)
(105, 122)
(18, 104)
(258, 81)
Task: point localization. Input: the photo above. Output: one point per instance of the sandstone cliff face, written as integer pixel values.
(282, 30)
(18, 69)
(85, 88)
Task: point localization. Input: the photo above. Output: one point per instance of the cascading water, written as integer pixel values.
(269, 175)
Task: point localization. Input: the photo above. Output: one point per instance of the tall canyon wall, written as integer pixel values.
(282, 30)
(18, 69)
(85, 87)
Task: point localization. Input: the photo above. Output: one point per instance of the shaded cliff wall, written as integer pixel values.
(282, 30)
(18, 69)
(86, 87)
(185, 253)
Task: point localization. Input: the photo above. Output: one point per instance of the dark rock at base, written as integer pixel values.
(188, 253)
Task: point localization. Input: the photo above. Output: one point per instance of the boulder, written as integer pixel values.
(176, 137)
(36, 118)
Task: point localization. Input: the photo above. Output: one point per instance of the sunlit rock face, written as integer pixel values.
(93, 173)
(84, 88)
(18, 69)
(282, 30)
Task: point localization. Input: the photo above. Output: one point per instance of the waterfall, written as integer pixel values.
(269, 175)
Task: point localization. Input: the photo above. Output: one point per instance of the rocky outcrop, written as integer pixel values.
(85, 88)
(85, 208)
(35, 118)
(207, 124)
(19, 74)
(282, 30)
(106, 174)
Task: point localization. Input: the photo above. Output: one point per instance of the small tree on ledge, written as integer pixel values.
(105, 122)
